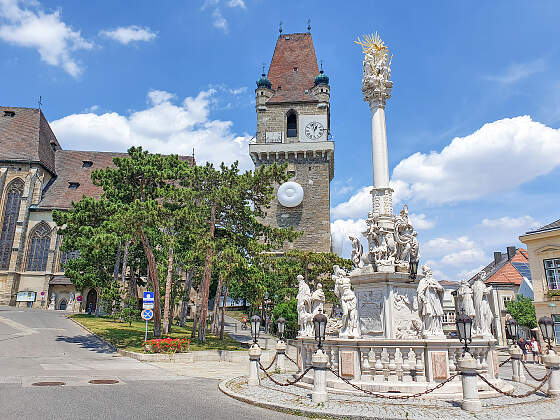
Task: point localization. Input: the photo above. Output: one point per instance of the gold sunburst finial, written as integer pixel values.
(371, 44)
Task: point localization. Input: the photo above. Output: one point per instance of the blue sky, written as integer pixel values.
(473, 125)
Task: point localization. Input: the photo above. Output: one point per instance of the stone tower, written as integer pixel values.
(293, 126)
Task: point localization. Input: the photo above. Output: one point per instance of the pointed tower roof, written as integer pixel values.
(293, 68)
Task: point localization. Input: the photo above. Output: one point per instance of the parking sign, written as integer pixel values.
(148, 300)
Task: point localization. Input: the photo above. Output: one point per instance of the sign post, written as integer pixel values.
(147, 314)
(147, 305)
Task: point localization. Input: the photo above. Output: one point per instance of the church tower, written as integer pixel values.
(293, 126)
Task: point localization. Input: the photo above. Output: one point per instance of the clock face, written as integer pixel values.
(314, 130)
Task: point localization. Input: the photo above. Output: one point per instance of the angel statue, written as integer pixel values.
(357, 252)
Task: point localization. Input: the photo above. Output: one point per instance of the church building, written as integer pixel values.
(293, 127)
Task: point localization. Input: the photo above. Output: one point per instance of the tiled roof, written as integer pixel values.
(69, 165)
(293, 51)
(26, 136)
(61, 280)
(507, 271)
(550, 226)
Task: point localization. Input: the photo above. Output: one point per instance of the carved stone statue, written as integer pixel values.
(357, 252)
(430, 307)
(483, 314)
(305, 316)
(349, 303)
(318, 300)
(465, 299)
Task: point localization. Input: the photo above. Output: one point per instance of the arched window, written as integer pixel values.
(14, 191)
(39, 242)
(291, 123)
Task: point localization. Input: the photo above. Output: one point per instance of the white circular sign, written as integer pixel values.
(290, 194)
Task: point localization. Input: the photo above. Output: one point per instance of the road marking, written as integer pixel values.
(24, 330)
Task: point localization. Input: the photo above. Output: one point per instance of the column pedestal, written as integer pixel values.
(254, 359)
(552, 363)
(319, 393)
(467, 366)
(281, 356)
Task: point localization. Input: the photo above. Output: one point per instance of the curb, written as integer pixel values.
(92, 333)
(222, 386)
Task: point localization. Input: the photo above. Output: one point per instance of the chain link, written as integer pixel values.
(395, 397)
(299, 378)
(530, 374)
(272, 362)
(504, 362)
(510, 394)
(290, 359)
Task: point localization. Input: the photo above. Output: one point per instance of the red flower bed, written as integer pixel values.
(167, 345)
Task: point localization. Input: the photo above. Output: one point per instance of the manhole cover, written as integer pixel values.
(103, 381)
(54, 383)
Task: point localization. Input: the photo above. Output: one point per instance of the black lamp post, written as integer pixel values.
(546, 324)
(464, 329)
(255, 327)
(320, 325)
(511, 329)
(281, 326)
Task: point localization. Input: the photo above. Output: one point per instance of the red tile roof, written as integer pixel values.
(508, 274)
(26, 137)
(293, 51)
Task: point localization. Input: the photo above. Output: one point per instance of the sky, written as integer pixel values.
(473, 126)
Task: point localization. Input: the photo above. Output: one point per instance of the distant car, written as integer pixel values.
(453, 334)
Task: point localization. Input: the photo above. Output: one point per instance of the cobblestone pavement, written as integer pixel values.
(355, 406)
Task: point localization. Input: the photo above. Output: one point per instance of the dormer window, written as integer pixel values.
(279, 87)
(87, 163)
(295, 69)
(9, 114)
(53, 146)
(73, 185)
(291, 123)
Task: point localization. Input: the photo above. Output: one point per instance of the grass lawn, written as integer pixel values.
(126, 337)
(237, 314)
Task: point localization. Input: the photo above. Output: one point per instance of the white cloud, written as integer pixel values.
(163, 127)
(464, 257)
(474, 166)
(128, 34)
(420, 222)
(53, 39)
(511, 223)
(340, 230)
(518, 71)
(441, 246)
(237, 3)
(219, 21)
(467, 274)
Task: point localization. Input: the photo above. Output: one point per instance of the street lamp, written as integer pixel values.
(320, 325)
(281, 325)
(511, 328)
(546, 324)
(464, 329)
(255, 327)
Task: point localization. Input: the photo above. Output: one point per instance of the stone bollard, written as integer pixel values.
(467, 366)
(254, 359)
(552, 363)
(518, 373)
(281, 356)
(319, 361)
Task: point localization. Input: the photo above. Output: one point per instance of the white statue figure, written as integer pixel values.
(348, 302)
(317, 300)
(483, 314)
(305, 317)
(403, 235)
(357, 251)
(52, 301)
(430, 308)
(414, 248)
(465, 299)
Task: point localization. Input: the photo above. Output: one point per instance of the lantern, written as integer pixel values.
(511, 329)
(255, 327)
(546, 324)
(281, 325)
(464, 329)
(320, 325)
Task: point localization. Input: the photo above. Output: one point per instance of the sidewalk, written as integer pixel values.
(233, 328)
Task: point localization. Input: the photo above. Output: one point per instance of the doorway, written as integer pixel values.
(91, 300)
(62, 305)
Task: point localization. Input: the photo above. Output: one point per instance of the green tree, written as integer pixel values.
(523, 311)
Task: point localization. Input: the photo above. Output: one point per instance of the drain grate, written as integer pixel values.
(103, 381)
(52, 383)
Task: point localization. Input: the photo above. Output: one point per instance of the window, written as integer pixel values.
(291, 123)
(38, 253)
(66, 256)
(279, 87)
(14, 191)
(295, 69)
(505, 300)
(73, 185)
(448, 318)
(552, 272)
(87, 163)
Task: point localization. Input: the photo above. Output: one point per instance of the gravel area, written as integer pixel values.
(298, 400)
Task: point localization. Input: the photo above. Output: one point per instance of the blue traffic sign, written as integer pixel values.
(148, 296)
(147, 314)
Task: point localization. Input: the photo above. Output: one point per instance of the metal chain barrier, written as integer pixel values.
(395, 397)
(299, 378)
(290, 359)
(530, 374)
(272, 362)
(510, 394)
(504, 362)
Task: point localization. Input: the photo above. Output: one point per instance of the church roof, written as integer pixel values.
(293, 68)
(25, 136)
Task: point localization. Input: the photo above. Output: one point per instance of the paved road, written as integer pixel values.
(38, 346)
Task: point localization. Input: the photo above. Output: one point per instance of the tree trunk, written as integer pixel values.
(124, 264)
(117, 263)
(133, 288)
(155, 282)
(206, 278)
(197, 310)
(226, 293)
(186, 297)
(215, 321)
(168, 292)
